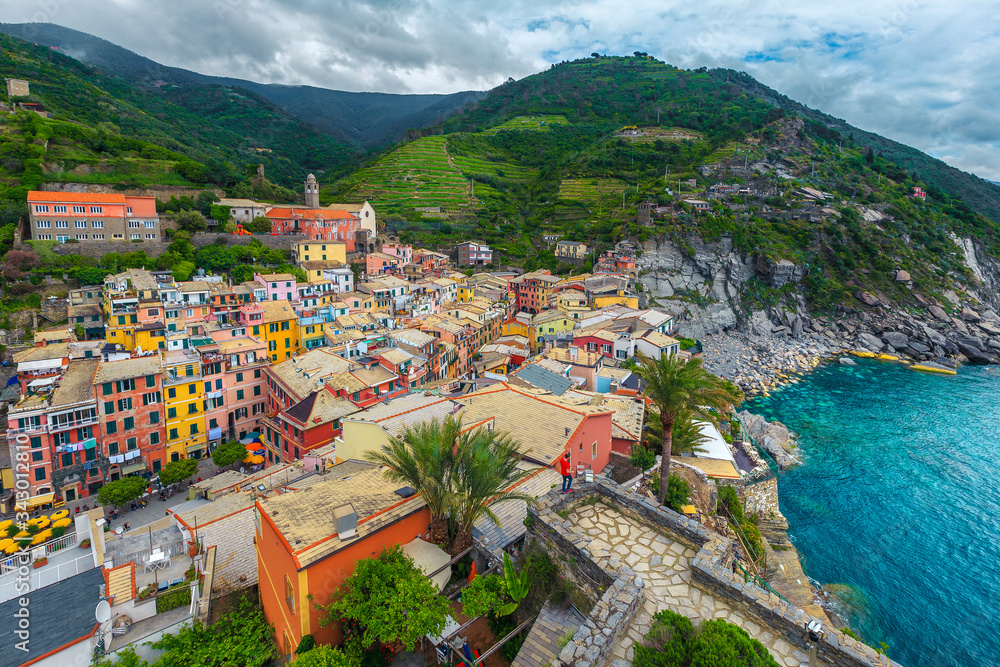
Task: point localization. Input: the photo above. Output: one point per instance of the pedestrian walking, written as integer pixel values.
(565, 470)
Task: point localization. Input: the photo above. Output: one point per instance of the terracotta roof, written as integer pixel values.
(76, 384)
(70, 197)
(321, 408)
(305, 373)
(52, 351)
(310, 213)
(305, 518)
(109, 371)
(539, 424)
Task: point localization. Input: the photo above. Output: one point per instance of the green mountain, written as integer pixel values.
(577, 148)
(362, 120)
(107, 131)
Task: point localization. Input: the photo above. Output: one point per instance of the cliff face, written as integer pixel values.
(704, 283)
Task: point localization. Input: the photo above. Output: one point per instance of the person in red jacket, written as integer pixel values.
(564, 470)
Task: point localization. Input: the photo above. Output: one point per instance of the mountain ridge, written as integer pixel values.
(362, 119)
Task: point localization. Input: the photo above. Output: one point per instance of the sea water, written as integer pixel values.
(896, 507)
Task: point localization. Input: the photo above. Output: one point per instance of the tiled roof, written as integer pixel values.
(395, 356)
(321, 408)
(513, 512)
(275, 311)
(629, 415)
(411, 337)
(61, 613)
(305, 518)
(374, 376)
(319, 264)
(121, 582)
(76, 384)
(540, 425)
(309, 214)
(109, 371)
(53, 351)
(302, 374)
(70, 197)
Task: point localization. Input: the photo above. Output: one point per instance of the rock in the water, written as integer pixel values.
(896, 339)
(847, 361)
(938, 313)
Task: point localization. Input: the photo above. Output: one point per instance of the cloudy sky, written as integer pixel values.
(922, 72)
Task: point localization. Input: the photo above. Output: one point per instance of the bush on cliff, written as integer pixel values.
(673, 641)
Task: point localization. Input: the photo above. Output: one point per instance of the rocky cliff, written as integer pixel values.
(709, 286)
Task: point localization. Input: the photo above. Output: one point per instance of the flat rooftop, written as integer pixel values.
(77, 383)
(305, 518)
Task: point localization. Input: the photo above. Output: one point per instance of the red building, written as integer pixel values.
(129, 397)
(316, 223)
(533, 290)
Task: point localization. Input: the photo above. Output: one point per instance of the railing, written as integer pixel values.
(60, 543)
(756, 580)
(73, 423)
(174, 550)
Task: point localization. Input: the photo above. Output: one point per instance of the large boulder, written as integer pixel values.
(976, 355)
(970, 315)
(919, 347)
(866, 298)
(902, 276)
(871, 342)
(937, 312)
(895, 339)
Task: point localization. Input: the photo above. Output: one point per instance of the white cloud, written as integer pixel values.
(918, 71)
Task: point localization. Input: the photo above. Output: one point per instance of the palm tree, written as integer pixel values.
(486, 474)
(423, 457)
(686, 436)
(677, 386)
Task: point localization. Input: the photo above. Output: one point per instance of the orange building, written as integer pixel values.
(309, 540)
(86, 216)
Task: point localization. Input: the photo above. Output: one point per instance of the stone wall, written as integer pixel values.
(157, 248)
(710, 569)
(624, 470)
(617, 594)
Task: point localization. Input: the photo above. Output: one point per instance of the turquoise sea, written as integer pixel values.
(897, 504)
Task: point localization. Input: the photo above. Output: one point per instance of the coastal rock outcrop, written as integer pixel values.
(773, 436)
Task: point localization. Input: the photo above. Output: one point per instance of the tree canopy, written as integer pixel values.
(121, 491)
(391, 599)
(178, 471)
(229, 453)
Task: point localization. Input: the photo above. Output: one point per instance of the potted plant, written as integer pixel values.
(193, 548)
(40, 562)
(85, 544)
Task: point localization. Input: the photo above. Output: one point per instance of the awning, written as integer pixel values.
(194, 448)
(133, 467)
(41, 382)
(89, 444)
(429, 558)
(41, 364)
(43, 499)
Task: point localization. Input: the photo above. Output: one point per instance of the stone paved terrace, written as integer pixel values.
(664, 564)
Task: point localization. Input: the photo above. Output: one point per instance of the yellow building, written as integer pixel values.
(620, 299)
(547, 325)
(310, 251)
(279, 329)
(184, 405)
(466, 293)
(572, 303)
(519, 325)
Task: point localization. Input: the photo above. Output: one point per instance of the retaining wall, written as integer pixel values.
(711, 569)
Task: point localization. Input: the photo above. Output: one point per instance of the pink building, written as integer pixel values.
(403, 252)
(279, 286)
(380, 262)
(243, 382)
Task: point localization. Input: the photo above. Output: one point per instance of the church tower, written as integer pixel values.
(312, 192)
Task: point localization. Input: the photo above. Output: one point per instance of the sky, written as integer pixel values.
(917, 71)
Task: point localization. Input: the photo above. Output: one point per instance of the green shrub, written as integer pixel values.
(173, 598)
(672, 641)
(729, 501)
(642, 458)
(678, 493)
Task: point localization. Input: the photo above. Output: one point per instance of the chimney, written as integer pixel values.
(346, 520)
(572, 352)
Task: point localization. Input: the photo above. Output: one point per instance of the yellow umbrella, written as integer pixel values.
(255, 459)
(37, 520)
(14, 548)
(42, 522)
(23, 533)
(62, 522)
(4, 543)
(6, 523)
(43, 536)
(61, 514)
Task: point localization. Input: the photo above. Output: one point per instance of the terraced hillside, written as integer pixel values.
(419, 174)
(541, 123)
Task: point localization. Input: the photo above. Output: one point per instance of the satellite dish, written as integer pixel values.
(103, 612)
(243, 470)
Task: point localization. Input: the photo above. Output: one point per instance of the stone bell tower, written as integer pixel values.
(312, 192)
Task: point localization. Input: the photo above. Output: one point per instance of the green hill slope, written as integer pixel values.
(97, 119)
(357, 119)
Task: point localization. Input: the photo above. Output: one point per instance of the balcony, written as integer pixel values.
(170, 379)
(72, 423)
